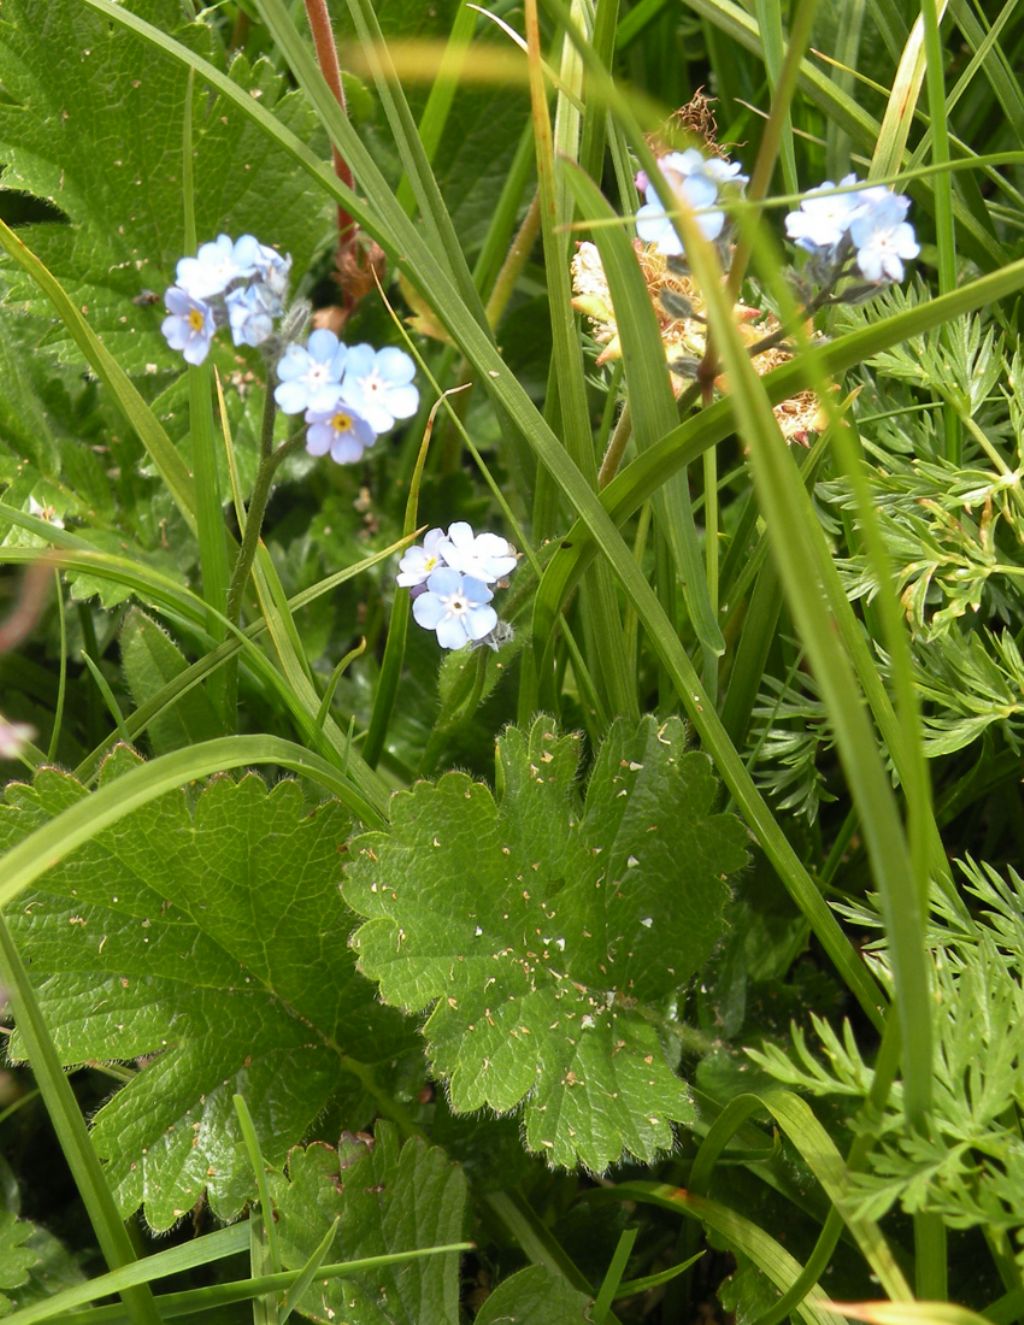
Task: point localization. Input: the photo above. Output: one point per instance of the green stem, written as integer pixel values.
(515, 261)
(269, 415)
(254, 521)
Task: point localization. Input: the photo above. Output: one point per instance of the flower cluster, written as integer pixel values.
(349, 394)
(449, 576)
(698, 183)
(239, 283)
(679, 308)
(868, 222)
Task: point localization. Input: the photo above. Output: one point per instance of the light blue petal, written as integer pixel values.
(479, 621)
(322, 399)
(698, 191)
(177, 300)
(475, 590)
(346, 449)
(451, 633)
(359, 362)
(291, 397)
(445, 581)
(196, 350)
(318, 439)
(322, 344)
(403, 401)
(292, 364)
(428, 610)
(394, 365)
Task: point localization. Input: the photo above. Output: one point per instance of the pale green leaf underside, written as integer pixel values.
(549, 937)
(210, 935)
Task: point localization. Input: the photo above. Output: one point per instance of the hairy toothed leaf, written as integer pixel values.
(548, 937)
(204, 935)
(389, 1198)
(33, 1264)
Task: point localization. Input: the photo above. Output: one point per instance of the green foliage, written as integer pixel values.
(549, 937)
(388, 1198)
(964, 1169)
(78, 88)
(33, 1264)
(203, 938)
(151, 660)
(581, 941)
(536, 1296)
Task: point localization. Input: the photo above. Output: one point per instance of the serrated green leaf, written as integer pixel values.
(534, 1296)
(546, 935)
(389, 1198)
(151, 660)
(33, 1264)
(208, 936)
(15, 1258)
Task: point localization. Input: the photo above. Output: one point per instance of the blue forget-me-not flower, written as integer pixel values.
(309, 376)
(869, 222)
(453, 572)
(339, 432)
(189, 326)
(378, 383)
(697, 182)
(457, 607)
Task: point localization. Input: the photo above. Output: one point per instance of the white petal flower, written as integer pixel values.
(822, 221)
(419, 563)
(485, 557)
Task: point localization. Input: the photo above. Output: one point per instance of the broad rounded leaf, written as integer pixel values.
(549, 938)
(204, 938)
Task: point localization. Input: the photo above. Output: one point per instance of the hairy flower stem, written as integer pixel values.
(254, 520)
(515, 260)
(267, 423)
(616, 448)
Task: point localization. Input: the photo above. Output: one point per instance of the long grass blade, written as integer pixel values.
(81, 822)
(69, 1125)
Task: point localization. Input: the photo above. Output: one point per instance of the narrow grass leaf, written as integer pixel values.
(69, 1125)
(651, 403)
(894, 130)
(770, 1257)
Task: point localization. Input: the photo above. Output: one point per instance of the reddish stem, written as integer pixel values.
(327, 57)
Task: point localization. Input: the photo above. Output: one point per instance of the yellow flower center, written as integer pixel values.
(195, 319)
(342, 422)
